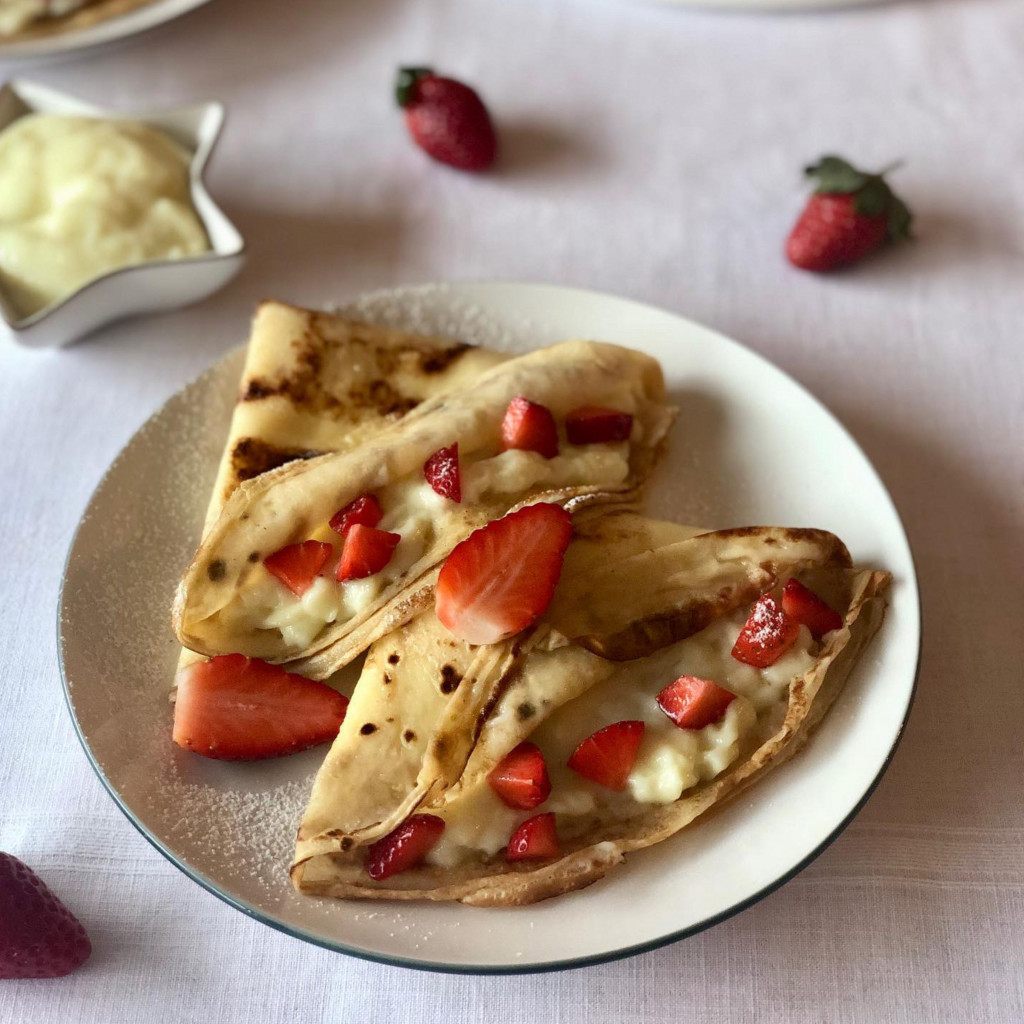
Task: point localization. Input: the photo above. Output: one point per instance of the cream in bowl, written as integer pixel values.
(104, 215)
(81, 196)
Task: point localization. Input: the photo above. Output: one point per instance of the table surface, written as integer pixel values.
(655, 153)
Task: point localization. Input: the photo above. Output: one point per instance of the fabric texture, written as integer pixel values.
(652, 152)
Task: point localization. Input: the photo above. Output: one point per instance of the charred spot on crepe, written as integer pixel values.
(408, 736)
(450, 679)
(368, 729)
(252, 457)
(216, 570)
(525, 711)
(387, 679)
(254, 557)
(393, 659)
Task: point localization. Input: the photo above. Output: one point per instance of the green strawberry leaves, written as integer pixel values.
(872, 195)
(406, 83)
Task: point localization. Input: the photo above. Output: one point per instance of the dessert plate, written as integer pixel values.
(733, 460)
(106, 30)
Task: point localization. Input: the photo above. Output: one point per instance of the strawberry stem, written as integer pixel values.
(406, 83)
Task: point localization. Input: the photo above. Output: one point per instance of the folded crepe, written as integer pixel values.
(431, 716)
(229, 603)
(316, 382)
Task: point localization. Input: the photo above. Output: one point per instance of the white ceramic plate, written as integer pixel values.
(107, 31)
(778, 6)
(734, 460)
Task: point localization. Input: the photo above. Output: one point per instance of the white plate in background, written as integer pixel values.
(751, 446)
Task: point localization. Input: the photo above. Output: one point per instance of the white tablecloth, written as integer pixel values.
(652, 152)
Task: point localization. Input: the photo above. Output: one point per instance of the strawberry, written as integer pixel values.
(442, 472)
(804, 606)
(235, 708)
(367, 550)
(521, 778)
(849, 216)
(502, 577)
(595, 424)
(535, 839)
(767, 634)
(39, 936)
(365, 511)
(297, 565)
(405, 847)
(446, 119)
(607, 757)
(529, 427)
(692, 702)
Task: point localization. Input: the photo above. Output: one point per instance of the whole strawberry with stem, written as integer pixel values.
(446, 119)
(850, 215)
(39, 936)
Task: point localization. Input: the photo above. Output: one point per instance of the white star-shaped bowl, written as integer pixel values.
(139, 287)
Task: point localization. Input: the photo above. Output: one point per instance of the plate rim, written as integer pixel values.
(569, 963)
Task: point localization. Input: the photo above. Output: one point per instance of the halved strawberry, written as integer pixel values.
(803, 604)
(596, 424)
(535, 839)
(766, 635)
(297, 565)
(521, 778)
(692, 702)
(365, 511)
(367, 550)
(607, 757)
(529, 427)
(502, 577)
(442, 472)
(235, 708)
(405, 847)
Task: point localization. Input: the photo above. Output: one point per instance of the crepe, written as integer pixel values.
(85, 15)
(432, 716)
(316, 382)
(228, 602)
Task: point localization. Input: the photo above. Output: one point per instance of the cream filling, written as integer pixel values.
(415, 511)
(670, 760)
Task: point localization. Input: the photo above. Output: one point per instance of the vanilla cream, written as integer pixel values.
(80, 197)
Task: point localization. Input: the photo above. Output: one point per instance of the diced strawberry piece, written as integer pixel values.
(529, 427)
(502, 577)
(535, 839)
(235, 708)
(367, 550)
(404, 848)
(521, 778)
(607, 757)
(442, 472)
(767, 634)
(692, 702)
(365, 511)
(39, 936)
(297, 565)
(596, 424)
(803, 604)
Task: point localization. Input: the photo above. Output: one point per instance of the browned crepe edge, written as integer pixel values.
(508, 885)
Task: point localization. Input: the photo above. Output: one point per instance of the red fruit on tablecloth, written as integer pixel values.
(39, 936)
(446, 119)
(850, 215)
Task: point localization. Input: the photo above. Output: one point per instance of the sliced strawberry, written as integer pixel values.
(803, 604)
(767, 634)
(535, 839)
(297, 565)
(607, 757)
(235, 708)
(502, 577)
(692, 702)
(442, 472)
(405, 847)
(365, 511)
(367, 550)
(521, 778)
(529, 427)
(39, 936)
(595, 424)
